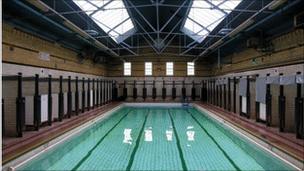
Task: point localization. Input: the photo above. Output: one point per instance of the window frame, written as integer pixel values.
(151, 69)
(167, 69)
(188, 68)
(125, 72)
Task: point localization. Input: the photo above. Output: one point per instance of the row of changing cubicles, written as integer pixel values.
(80, 95)
(71, 98)
(224, 92)
(153, 93)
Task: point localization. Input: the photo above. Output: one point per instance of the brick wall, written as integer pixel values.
(115, 68)
(288, 49)
(22, 48)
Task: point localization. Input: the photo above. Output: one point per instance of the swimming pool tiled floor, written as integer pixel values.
(156, 139)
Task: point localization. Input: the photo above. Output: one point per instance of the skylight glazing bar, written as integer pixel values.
(114, 22)
(204, 28)
(216, 6)
(117, 26)
(220, 19)
(102, 7)
(204, 16)
(91, 3)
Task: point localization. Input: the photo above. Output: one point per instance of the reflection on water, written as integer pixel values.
(148, 135)
(127, 136)
(190, 133)
(169, 134)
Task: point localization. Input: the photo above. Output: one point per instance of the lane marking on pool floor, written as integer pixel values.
(232, 139)
(222, 150)
(181, 155)
(130, 163)
(99, 141)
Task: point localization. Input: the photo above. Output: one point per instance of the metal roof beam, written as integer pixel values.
(127, 47)
(157, 19)
(170, 19)
(151, 33)
(172, 31)
(142, 16)
(169, 42)
(148, 36)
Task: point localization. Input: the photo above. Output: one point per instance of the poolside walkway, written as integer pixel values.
(13, 147)
(286, 142)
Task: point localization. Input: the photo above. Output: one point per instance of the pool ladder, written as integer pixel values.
(185, 102)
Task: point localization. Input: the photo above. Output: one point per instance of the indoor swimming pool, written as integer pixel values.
(156, 138)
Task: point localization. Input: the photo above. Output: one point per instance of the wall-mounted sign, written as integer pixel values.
(44, 56)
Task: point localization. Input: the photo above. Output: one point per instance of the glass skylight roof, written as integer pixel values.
(205, 15)
(109, 15)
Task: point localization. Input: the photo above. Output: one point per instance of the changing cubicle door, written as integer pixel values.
(262, 111)
(29, 110)
(44, 108)
(80, 100)
(91, 98)
(244, 104)
(149, 90)
(65, 103)
(73, 101)
(85, 100)
(55, 106)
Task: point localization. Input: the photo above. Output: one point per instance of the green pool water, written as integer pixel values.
(156, 139)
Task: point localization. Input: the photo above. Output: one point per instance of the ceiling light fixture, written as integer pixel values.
(275, 4)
